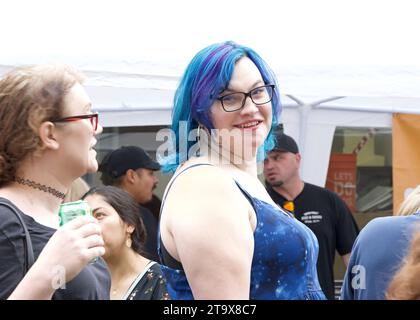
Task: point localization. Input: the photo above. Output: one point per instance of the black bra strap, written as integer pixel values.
(29, 252)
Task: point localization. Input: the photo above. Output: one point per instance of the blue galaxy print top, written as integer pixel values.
(284, 261)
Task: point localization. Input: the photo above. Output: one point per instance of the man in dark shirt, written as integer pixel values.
(323, 211)
(131, 169)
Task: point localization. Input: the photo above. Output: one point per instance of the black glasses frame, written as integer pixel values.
(93, 117)
(246, 95)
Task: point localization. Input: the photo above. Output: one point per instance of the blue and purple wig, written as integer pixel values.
(207, 75)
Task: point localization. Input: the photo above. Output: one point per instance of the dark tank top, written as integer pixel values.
(284, 260)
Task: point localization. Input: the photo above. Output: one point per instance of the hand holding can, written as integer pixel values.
(71, 210)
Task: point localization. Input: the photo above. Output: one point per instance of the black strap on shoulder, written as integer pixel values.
(29, 252)
(169, 186)
(166, 257)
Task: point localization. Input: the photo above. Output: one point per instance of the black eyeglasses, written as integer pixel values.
(93, 117)
(236, 101)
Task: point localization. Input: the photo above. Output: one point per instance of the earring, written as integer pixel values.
(128, 242)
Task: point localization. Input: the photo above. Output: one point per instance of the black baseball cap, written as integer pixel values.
(285, 143)
(117, 162)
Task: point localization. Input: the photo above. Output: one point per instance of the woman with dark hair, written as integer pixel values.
(133, 277)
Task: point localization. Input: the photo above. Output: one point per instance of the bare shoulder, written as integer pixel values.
(203, 189)
(205, 211)
(201, 183)
(206, 177)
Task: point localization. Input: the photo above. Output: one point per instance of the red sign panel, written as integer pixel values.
(341, 177)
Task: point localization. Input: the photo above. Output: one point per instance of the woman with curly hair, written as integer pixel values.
(47, 135)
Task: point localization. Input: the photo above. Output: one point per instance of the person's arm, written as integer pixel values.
(347, 292)
(212, 234)
(70, 249)
(346, 258)
(346, 229)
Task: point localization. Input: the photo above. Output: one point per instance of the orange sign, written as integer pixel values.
(341, 177)
(405, 155)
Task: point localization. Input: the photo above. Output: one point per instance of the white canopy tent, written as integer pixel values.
(347, 64)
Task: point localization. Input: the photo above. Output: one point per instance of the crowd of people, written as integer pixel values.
(218, 233)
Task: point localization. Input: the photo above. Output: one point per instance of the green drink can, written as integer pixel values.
(71, 210)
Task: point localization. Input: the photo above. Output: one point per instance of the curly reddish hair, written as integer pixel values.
(406, 283)
(29, 96)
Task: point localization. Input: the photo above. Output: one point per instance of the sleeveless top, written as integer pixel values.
(283, 264)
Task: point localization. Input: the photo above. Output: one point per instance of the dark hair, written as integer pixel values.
(108, 180)
(128, 210)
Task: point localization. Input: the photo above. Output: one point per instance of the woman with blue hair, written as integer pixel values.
(221, 235)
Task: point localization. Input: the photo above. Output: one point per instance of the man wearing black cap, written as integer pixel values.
(131, 169)
(323, 211)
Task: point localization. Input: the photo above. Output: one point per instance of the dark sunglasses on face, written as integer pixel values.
(93, 117)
